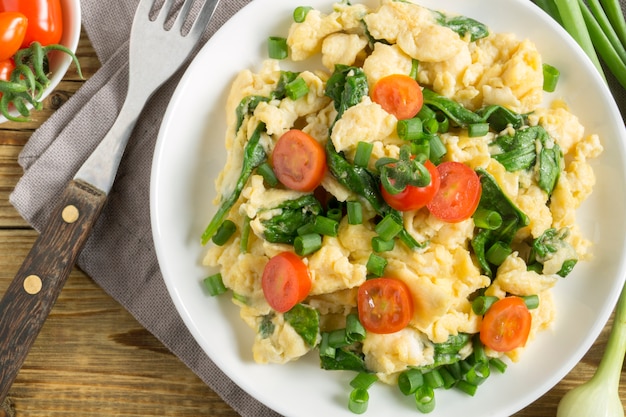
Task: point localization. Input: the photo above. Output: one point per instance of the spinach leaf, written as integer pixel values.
(464, 25)
(447, 352)
(344, 360)
(528, 148)
(249, 103)
(497, 116)
(253, 156)
(346, 87)
(550, 245)
(494, 199)
(305, 321)
(267, 326)
(356, 178)
(283, 228)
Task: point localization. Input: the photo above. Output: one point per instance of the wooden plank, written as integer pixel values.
(92, 358)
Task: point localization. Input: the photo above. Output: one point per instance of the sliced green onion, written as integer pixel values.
(376, 265)
(477, 130)
(214, 285)
(335, 214)
(448, 379)
(431, 126)
(479, 353)
(277, 47)
(224, 232)
(487, 219)
(444, 123)
(409, 129)
(266, 171)
(359, 399)
(531, 301)
(300, 13)
(425, 399)
(326, 226)
(297, 88)
(550, 78)
(426, 113)
(433, 379)
(455, 370)
(325, 348)
(437, 149)
(421, 146)
(363, 380)
(355, 212)
(380, 245)
(363, 154)
(410, 380)
(498, 364)
(388, 227)
(245, 235)
(498, 252)
(355, 332)
(305, 229)
(466, 387)
(307, 244)
(481, 304)
(338, 338)
(478, 373)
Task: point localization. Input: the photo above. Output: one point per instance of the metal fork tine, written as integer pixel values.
(182, 15)
(144, 7)
(201, 22)
(165, 11)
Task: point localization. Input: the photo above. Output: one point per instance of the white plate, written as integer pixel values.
(59, 61)
(190, 153)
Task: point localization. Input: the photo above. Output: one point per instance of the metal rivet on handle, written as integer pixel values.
(32, 284)
(70, 214)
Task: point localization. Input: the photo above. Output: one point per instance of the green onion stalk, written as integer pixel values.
(600, 395)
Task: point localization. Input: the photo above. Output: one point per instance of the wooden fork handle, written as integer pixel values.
(34, 290)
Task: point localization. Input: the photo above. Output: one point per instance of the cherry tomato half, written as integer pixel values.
(459, 192)
(285, 281)
(399, 95)
(385, 305)
(506, 325)
(45, 19)
(13, 27)
(414, 198)
(299, 161)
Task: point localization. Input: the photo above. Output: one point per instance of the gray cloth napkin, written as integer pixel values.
(120, 255)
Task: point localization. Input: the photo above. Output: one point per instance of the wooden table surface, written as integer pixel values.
(92, 358)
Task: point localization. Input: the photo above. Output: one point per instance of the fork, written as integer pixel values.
(31, 295)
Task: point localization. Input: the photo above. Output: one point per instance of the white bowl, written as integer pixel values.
(59, 62)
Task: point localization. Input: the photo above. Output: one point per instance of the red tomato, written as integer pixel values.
(385, 305)
(6, 67)
(459, 192)
(285, 281)
(399, 95)
(506, 325)
(13, 27)
(414, 198)
(299, 161)
(45, 19)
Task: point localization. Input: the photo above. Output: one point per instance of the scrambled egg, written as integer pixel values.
(499, 69)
